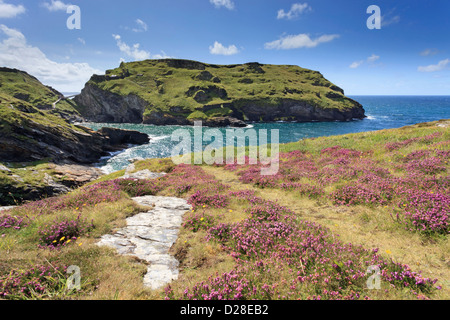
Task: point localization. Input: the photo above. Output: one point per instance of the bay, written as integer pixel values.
(383, 112)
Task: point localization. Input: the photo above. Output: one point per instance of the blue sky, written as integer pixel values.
(409, 55)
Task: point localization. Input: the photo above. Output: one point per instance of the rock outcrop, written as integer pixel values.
(177, 92)
(37, 141)
(107, 107)
(56, 180)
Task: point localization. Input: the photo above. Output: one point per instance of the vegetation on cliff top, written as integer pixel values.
(316, 241)
(197, 90)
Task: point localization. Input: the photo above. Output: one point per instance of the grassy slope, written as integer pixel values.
(371, 226)
(165, 87)
(21, 113)
(26, 88)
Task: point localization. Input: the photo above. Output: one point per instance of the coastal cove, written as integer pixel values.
(383, 112)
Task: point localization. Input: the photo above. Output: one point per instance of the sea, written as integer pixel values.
(383, 112)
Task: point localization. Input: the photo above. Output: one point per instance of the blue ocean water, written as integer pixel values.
(383, 112)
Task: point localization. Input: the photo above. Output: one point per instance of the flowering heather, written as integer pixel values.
(34, 283)
(425, 212)
(62, 233)
(341, 153)
(185, 178)
(198, 221)
(201, 198)
(138, 187)
(357, 193)
(430, 165)
(280, 258)
(109, 191)
(12, 222)
(242, 194)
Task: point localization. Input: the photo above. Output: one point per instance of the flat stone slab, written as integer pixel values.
(6, 208)
(150, 235)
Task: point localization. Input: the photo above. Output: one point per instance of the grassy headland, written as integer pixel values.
(181, 90)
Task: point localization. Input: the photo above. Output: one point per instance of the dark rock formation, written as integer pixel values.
(36, 141)
(105, 106)
(123, 137)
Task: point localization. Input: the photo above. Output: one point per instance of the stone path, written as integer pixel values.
(6, 208)
(150, 235)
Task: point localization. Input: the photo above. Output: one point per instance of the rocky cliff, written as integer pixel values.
(31, 129)
(173, 91)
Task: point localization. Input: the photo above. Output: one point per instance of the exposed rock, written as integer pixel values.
(7, 208)
(132, 160)
(207, 92)
(201, 96)
(73, 175)
(294, 110)
(143, 174)
(61, 180)
(246, 81)
(224, 122)
(57, 188)
(150, 235)
(3, 168)
(109, 107)
(205, 76)
(255, 67)
(185, 64)
(122, 137)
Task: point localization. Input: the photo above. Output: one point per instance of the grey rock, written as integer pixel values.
(150, 235)
(3, 168)
(143, 174)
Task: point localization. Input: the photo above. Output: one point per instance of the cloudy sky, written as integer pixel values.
(409, 55)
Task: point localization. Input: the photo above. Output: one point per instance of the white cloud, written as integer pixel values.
(142, 26)
(356, 64)
(429, 52)
(82, 41)
(218, 48)
(389, 18)
(299, 41)
(10, 10)
(435, 67)
(16, 53)
(373, 58)
(296, 10)
(134, 52)
(56, 5)
(369, 60)
(223, 3)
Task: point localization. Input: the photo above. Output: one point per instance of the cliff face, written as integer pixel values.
(30, 130)
(106, 106)
(178, 92)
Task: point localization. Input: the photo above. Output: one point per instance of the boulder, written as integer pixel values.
(122, 137)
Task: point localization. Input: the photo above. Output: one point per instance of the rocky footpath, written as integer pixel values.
(150, 235)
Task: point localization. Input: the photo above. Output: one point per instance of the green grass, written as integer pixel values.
(107, 275)
(149, 80)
